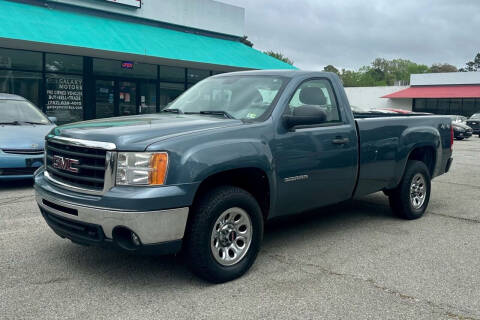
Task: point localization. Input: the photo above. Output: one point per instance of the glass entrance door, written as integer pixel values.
(120, 97)
(148, 97)
(104, 98)
(127, 98)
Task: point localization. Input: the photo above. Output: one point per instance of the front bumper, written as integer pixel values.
(18, 166)
(159, 231)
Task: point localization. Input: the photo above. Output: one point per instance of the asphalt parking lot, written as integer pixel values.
(352, 261)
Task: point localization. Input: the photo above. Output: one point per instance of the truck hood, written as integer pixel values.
(23, 137)
(136, 133)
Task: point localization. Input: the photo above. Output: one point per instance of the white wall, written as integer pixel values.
(200, 14)
(370, 97)
(446, 78)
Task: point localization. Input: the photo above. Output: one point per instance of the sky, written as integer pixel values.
(352, 33)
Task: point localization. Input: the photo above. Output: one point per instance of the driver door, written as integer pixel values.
(316, 164)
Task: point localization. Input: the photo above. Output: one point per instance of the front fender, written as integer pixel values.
(206, 159)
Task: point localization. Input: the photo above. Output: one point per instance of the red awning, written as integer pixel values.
(472, 91)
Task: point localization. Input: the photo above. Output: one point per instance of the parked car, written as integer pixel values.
(458, 119)
(22, 137)
(474, 123)
(230, 153)
(461, 131)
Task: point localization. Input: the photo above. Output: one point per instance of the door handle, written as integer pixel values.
(340, 140)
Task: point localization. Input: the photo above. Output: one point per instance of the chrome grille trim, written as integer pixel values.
(82, 143)
(110, 160)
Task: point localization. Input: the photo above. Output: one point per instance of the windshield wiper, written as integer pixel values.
(33, 122)
(214, 112)
(173, 111)
(13, 123)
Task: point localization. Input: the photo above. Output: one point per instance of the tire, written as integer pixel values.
(459, 138)
(404, 204)
(205, 240)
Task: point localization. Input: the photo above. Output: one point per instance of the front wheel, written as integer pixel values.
(224, 234)
(410, 199)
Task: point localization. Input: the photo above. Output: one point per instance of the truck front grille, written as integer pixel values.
(76, 166)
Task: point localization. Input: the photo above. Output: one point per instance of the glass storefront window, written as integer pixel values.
(20, 59)
(431, 104)
(172, 74)
(468, 107)
(443, 106)
(169, 92)
(126, 69)
(25, 84)
(64, 97)
(148, 98)
(455, 106)
(463, 107)
(63, 63)
(195, 75)
(420, 105)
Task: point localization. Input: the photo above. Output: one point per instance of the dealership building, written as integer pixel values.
(87, 59)
(442, 93)
(439, 93)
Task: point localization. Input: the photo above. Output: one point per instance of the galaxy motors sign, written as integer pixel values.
(130, 3)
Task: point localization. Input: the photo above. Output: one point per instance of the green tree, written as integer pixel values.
(442, 67)
(473, 65)
(382, 72)
(245, 40)
(279, 56)
(331, 68)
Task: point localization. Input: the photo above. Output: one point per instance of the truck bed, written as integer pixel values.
(385, 142)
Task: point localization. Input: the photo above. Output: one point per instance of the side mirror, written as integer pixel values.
(53, 119)
(304, 116)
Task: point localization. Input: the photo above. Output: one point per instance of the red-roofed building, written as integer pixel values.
(442, 93)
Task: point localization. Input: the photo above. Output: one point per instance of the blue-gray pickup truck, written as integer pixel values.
(235, 150)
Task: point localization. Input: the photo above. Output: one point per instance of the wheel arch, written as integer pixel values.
(254, 180)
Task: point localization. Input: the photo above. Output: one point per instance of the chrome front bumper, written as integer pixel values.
(152, 227)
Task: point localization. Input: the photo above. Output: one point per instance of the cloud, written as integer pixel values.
(352, 33)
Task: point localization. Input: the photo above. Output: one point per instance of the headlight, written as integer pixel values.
(141, 168)
(458, 129)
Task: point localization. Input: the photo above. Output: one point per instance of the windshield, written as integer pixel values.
(475, 116)
(239, 97)
(18, 112)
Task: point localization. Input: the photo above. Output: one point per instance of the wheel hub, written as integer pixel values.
(418, 191)
(227, 235)
(231, 236)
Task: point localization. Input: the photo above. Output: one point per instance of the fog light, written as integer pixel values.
(135, 239)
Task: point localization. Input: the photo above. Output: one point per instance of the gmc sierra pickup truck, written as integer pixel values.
(233, 151)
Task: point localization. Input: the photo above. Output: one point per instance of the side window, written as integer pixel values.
(318, 93)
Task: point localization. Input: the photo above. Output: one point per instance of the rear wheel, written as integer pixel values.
(224, 234)
(410, 199)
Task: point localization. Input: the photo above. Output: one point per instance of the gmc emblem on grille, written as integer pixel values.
(65, 164)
